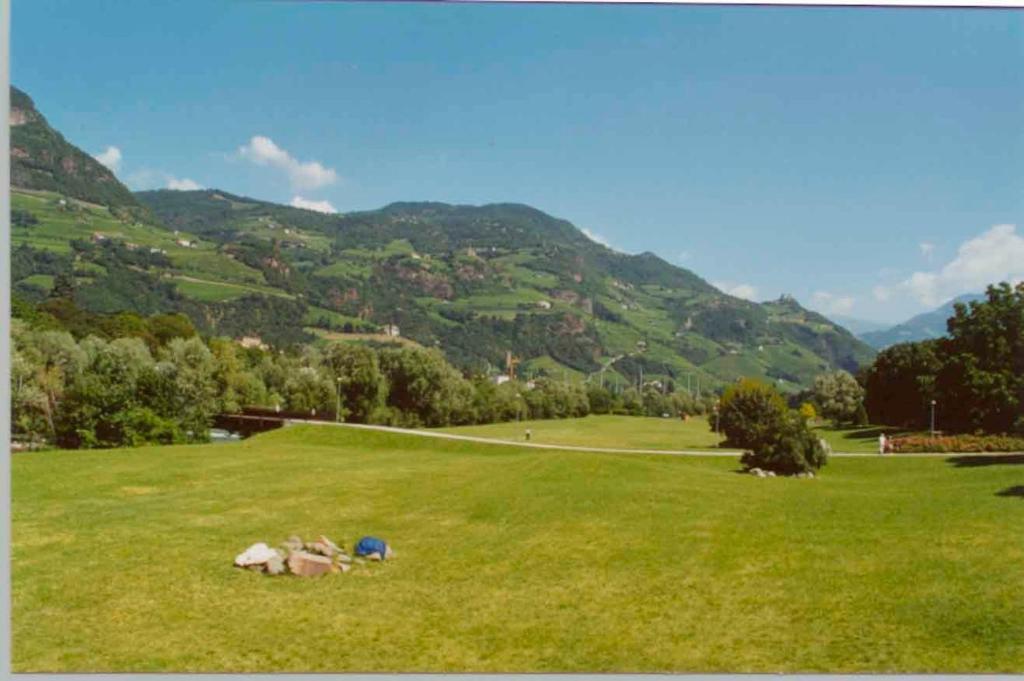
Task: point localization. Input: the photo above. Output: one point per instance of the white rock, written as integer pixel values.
(257, 554)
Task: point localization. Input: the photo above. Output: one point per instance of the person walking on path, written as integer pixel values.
(882, 443)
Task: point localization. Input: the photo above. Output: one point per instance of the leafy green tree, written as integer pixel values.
(237, 386)
(192, 368)
(632, 402)
(839, 397)
(30, 417)
(425, 388)
(357, 374)
(309, 390)
(981, 383)
(63, 285)
(900, 384)
(600, 399)
(750, 414)
(166, 327)
(91, 413)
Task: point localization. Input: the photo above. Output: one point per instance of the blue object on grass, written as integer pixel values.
(368, 545)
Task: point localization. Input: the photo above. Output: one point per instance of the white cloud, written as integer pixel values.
(881, 293)
(111, 158)
(184, 184)
(927, 249)
(594, 236)
(318, 206)
(831, 303)
(995, 255)
(308, 175)
(745, 291)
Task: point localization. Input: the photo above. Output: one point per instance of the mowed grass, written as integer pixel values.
(617, 432)
(511, 559)
(632, 432)
(861, 439)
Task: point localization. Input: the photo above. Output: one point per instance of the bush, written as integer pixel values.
(957, 443)
(840, 398)
(750, 414)
(791, 449)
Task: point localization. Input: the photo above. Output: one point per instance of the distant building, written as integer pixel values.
(501, 378)
(186, 243)
(544, 304)
(97, 237)
(391, 330)
(252, 342)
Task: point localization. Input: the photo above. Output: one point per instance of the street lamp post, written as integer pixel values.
(337, 403)
(933, 418)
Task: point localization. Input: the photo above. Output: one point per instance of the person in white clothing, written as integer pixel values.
(881, 444)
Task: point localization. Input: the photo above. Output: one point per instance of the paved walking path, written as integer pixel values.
(601, 450)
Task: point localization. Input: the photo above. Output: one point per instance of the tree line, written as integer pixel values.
(975, 375)
(127, 380)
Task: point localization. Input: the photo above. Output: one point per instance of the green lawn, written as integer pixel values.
(627, 432)
(862, 439)
(512, 559)
(631, 432)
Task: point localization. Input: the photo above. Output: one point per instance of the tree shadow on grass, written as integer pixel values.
(872, 433)
(986, 460)
(1015, 491)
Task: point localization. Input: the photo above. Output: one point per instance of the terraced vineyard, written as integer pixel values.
(477, 282)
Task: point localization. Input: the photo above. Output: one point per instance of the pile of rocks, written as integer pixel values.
(761, 473)
(297, 557)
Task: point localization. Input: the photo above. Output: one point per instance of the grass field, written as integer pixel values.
(510, 559)
(862, 439)
(626, 432)
(630, 432)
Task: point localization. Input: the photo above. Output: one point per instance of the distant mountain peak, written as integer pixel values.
(924, 326)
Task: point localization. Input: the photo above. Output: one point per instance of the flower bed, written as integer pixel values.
(957, 443)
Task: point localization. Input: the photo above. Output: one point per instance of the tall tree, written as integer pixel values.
(839, 397)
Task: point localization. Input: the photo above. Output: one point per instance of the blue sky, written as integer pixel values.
(869, 162)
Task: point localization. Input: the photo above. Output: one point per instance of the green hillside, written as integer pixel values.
(480, 280)
(475, 281)
(42, 159)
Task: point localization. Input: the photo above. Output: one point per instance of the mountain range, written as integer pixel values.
(924, 326)
(479, 282)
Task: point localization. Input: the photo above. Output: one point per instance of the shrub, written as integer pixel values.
(840, 398)
(790, 449)
(957, 443)
(750, 414)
